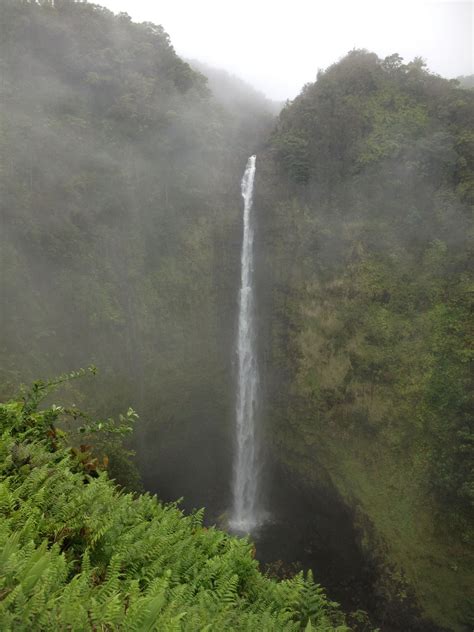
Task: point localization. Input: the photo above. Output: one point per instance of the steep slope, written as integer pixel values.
(366, 207)
(120, 202)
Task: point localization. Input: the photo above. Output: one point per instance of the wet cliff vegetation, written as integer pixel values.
(120, 203)
(367, 242)
(120, 168)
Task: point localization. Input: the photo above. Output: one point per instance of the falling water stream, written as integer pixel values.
(245, 512)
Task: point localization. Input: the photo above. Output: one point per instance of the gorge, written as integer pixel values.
(312, 316)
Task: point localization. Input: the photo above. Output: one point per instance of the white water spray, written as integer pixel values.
(245, 515)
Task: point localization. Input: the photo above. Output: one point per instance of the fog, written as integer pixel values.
(278, 50)
(121, 241)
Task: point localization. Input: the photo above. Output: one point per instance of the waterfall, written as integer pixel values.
(245, 515)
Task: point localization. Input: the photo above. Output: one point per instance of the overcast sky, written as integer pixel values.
(278, 45)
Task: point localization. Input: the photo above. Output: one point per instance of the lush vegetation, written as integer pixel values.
(79, 554)
(119, 193)
(367, 245)
(120, 203)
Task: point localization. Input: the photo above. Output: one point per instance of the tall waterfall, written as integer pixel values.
(244, 516)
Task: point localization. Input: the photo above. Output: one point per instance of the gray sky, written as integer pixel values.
(278, 45)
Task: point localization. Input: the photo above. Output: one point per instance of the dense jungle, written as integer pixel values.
(121, 231)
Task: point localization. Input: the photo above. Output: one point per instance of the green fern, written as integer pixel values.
(76, 553)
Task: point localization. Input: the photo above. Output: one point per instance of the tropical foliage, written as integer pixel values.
(368, 244)
(79, 554)
(119, 196)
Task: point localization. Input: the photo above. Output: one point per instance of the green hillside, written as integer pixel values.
(120, 203)
(121, 229)
(367, 229)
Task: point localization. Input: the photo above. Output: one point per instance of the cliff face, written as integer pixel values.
(121, 228)
(364, 200)
(120, 203)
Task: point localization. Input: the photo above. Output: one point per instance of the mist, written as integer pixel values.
(278, 49)
(127, 246)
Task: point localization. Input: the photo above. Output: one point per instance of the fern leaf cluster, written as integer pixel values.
(77, 553)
